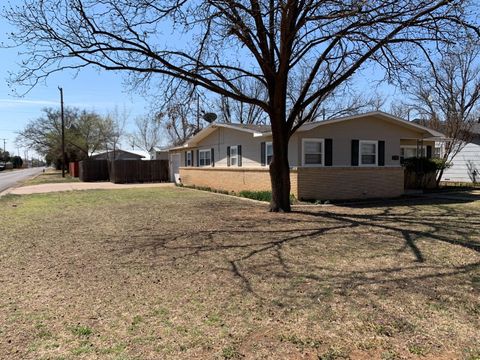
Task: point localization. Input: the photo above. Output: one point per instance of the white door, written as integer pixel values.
(175, 168)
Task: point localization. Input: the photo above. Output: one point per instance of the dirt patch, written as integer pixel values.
(178, 274)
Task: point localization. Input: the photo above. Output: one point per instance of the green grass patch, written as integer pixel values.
(81, 330)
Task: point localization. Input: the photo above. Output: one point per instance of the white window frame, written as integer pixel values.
(189, 158)
(200, 152)
(375, 142)
(268, 143)
(236, 156)
(317, 140)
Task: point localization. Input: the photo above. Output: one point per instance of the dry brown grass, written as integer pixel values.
(183, 274)
(49, 177)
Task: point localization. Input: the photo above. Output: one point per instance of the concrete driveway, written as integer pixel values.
(48, 188)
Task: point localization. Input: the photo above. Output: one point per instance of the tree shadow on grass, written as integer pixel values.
(298, 258)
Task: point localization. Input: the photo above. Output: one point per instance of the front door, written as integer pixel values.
(175, 168)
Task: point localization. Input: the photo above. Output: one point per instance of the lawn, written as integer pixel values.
(50, 176)
(182, 274)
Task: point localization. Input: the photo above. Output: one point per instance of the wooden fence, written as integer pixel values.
(124, 171)
(93, 170)
(138, 171)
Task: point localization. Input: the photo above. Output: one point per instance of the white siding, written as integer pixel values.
(222, 138)
(466, 165)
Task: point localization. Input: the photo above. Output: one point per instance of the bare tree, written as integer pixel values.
(148, 131)
(234, 111)
(347, 103)
(272, 43)
(113, 130)
(446, 96)
(179, 124)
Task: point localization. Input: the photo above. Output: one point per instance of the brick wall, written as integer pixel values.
(234, 179)
(333, 183)
(324, 183)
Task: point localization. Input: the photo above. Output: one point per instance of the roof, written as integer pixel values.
(265, 130)
(377, 114)
(140, 154)
(158, 149)
(252, 127)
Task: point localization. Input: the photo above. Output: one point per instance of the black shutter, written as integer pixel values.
(239, 152)
(186, 155)
(212, 157)
(355, 144)
(429, 151)
(198, 157)
(328, 152)
(228, 155)
(263, 153)
(381, 153)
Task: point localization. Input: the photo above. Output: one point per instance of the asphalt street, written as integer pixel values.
(11, 178)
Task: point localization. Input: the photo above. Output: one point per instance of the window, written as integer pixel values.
(409, 151)
(205, 157)
(233, 155)
(189, 158)
(313, 153)
(368, 153)
(268, 152)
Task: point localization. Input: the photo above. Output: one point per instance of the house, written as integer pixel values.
(466, 164)
(345, 158)
(119, 154)
(157, 153)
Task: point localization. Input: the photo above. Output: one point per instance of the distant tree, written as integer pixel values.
(113, 130)
(273, 43)
(4, 156)
(446, 96)
(83, 134)
(17, 162)
(148, 131)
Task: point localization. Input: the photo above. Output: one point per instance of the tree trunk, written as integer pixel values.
(280, 168)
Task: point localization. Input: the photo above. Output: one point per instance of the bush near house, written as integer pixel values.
(420, 172)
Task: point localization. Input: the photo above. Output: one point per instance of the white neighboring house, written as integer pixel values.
(466, 164)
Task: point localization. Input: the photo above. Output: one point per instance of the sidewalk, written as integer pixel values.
(48, 188)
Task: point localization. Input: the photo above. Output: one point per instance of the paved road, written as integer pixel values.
(11, 178)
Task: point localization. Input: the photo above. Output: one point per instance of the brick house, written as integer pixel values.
(345, 158)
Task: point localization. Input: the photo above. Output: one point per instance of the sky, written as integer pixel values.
(90, 89)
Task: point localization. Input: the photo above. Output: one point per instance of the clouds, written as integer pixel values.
(18, 103)
(28, 103)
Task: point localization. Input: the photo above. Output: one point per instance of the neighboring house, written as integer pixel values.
(466, 164)
(157, 153)
(121, 155)
(345, 158)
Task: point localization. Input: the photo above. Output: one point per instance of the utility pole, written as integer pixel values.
(3, 154)
(63, 131)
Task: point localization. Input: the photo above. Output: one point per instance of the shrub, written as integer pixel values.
(424, 165)
(257, 195)
(262, 195)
